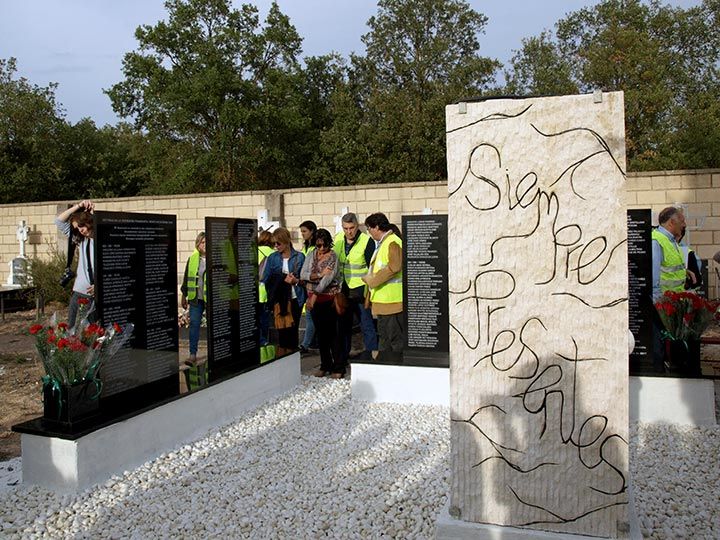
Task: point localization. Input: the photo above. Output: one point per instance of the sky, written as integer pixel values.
(80, 44)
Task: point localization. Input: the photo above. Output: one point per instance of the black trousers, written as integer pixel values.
(288, 337)
(332, 356)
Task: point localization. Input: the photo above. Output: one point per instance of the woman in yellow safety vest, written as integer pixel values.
(384, 280)
(194, 292)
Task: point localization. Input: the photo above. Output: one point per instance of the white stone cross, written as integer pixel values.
(338, 219)
(22, 236)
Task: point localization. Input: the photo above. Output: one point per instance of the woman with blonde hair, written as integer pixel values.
(285, 293)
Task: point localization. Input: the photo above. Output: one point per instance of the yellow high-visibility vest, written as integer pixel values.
(193, 278)
(390, 292)
(353, 265)
(672, 267)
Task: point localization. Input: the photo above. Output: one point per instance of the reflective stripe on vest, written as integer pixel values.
(672, 267)
(353, 266)
(192, 276)
(390, 292)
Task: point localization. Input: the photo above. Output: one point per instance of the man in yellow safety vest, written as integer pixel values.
(386, 288)
(354, 250)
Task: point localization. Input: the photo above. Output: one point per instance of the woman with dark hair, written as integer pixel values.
(384, 280)
(78, 222)
(285, 293)
(308, 232)
(320, 273)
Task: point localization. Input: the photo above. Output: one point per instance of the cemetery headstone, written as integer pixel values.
(19, 276)
(232, 273)
(136, 282)
(538, 313)
(19, 272)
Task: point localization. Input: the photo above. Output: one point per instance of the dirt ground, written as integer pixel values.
(21, 370)
(20, 373)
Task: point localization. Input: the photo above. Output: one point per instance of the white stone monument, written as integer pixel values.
(538, 314)
(18, 275)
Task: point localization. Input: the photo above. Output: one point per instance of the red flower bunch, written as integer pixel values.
(686, 315)
(71, 355)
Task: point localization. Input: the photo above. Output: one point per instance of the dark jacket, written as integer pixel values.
(278, 291)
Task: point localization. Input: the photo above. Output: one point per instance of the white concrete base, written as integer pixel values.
(379, 383)
(63, 465)
(449, 528)
(672, 401)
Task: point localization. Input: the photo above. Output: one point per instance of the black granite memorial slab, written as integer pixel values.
(425, 290)
(136, 282)
(232, 284)
(641, 309)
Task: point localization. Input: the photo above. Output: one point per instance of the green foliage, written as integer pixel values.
(664, 59)
(46, 272)
(213, 80)
(30, 129)
(220, 101)
(43, 157)
(389, 117)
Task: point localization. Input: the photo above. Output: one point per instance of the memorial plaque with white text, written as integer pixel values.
(425, 290)
(640, 307)
(136, 282)
(233, 331)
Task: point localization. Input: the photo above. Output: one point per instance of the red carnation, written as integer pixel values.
(117, 328)
(93, 329)
(62, 326)
(83, 301)
(35, 328)
(62, 343)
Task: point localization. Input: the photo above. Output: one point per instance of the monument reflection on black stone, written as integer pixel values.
(232, 288)
(425, 290)
(135, 271)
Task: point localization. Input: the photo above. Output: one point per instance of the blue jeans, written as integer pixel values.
(367, 325)
(309, 330)
(197, 307)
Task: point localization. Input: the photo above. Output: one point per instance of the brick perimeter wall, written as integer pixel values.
(698, 191)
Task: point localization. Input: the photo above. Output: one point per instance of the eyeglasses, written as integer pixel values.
(320, 246)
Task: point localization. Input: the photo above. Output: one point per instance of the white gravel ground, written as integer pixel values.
(316, 464)
(676, 479)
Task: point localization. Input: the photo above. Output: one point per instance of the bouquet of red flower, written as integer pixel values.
(686, 315)
(73, 355)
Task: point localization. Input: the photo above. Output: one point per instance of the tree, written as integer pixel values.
(539, 69)
(664, 59)
(390, 114)
(30, 127)
(212, 78)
